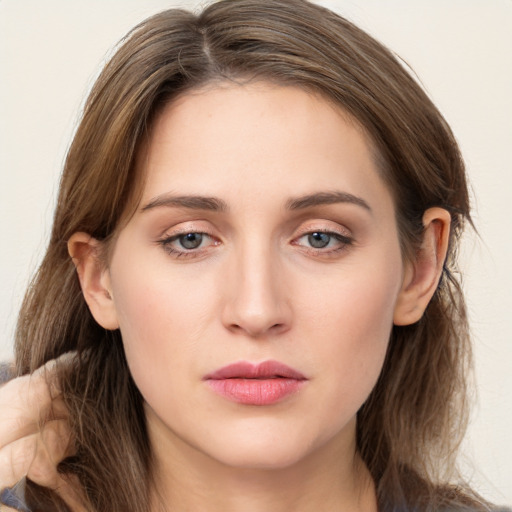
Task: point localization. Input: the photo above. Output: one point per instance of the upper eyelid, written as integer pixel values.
(203, 226)
(176, 234)
(318, 227)
(325, 232)
(177, 231)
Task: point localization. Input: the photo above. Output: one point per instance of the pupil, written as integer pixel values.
(319, 240)
(191, 240)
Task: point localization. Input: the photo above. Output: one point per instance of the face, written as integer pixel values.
(256, 284)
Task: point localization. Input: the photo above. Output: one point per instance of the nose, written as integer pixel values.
(256, 302)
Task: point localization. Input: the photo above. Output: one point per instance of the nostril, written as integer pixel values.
(256, 311)
(257, 330)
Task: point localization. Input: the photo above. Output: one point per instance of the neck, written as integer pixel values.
(332, 478)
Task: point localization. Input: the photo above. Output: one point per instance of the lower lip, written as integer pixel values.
(255, 391)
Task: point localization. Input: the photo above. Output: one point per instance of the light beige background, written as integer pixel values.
(51, 51)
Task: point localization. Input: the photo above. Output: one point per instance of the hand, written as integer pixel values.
(34, 432)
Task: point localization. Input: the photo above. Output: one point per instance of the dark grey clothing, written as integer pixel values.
(6, 372)
(9, 498)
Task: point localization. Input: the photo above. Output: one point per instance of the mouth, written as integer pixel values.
(255, 384)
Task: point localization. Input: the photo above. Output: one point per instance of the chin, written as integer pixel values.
(272, 459)
(259, 452)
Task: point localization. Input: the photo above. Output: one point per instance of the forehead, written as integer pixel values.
(261, 137)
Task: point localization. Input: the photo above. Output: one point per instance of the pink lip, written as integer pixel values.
(255, 384)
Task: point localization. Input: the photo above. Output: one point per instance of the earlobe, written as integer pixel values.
(94, 279)
(422, 275)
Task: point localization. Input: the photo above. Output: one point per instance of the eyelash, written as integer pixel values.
(344, 242)
(167, 241)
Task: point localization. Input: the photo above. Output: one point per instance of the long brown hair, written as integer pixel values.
(410, 426)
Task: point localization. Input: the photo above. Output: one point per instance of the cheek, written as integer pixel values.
(356, 304)
(351, 317)
(162, 318)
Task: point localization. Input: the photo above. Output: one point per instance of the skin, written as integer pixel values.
(35, 435)
(256, 289)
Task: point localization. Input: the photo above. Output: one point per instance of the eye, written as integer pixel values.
(323, 242)
(189, 244)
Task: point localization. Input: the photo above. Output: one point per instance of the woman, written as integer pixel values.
(253, 258)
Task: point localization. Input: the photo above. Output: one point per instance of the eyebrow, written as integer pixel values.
(323, 198)
(191, 202)
(215, 204)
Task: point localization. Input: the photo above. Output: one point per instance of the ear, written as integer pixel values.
(94, 279)
(422, 275)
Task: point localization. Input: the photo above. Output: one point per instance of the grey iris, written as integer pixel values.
(191, 240)
(319, 240)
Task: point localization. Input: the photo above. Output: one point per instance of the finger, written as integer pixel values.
(43, 470)
(53, 446)
(15, 460)
(36, 455)
(5, 508)
(50, 372)
(27, 400)
(68, 488)
(23, 404)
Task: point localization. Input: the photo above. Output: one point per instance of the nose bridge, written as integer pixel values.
(257, 301)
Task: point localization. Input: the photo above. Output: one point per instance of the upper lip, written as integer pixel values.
(247, 370)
